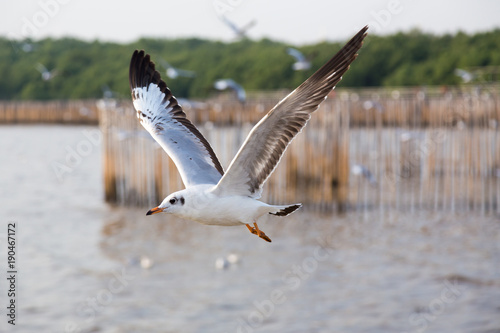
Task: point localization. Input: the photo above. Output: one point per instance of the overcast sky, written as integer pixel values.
(295, 22)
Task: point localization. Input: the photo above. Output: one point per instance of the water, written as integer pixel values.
(83, 265)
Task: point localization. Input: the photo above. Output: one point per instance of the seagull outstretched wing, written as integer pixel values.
(240, 32)
(262, 150)
(296, 54)
(161, 115)
(41, 68)
(224, 84)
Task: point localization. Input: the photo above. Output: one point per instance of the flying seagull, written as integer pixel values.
(46, 74)
(466, 76)
(358, 169)
(230, 198)
(224, 84)
(173, 72)
(301, 63)
(240, 32)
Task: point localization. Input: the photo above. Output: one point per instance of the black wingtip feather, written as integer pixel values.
(288, 210)
(142, 73)
(341, 61)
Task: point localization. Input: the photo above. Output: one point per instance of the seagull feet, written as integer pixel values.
(264, 237)
(256, 231)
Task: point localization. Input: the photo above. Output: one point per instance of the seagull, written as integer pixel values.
(466, 76)
(240, 32)
(358, 169)
(368, 105)
(228, 198)
(302, 63)
(174, 73)
(222, 263)
(27, 47)
(224, 84)
(107, 93)
(46, 74)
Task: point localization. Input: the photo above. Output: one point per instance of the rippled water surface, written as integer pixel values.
(85, 266)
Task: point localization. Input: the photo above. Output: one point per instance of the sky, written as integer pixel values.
(294, 22)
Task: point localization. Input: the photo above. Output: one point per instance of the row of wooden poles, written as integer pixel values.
(422, 151)
(49, 112)
(423, 148)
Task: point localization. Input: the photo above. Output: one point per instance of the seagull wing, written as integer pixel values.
(296, 54)
(41, 68)
(185, 72)
(161, 115)
(233, 85)
(249, 25)
(240, 92)
(231, 25)
(262, 150)
(164, 63)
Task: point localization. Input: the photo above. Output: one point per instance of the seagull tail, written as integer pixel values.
(285, 210)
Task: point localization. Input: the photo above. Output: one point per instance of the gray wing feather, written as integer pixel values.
(262, 150)
(296, 54)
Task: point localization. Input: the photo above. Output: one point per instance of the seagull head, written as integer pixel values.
(171, 204)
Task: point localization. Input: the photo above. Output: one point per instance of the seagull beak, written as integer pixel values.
(155, 210)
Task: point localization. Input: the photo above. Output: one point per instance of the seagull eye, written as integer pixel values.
(173, 201)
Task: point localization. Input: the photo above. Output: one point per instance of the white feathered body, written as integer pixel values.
(202, 205)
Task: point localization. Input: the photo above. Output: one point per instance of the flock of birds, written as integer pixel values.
(224, 84)
(301, 64)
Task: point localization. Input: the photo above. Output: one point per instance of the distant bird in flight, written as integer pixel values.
(466, 76)
(369, 105)
(224, 84)
(46, 74)
(174, 73)
(107, 93)
(240, 32)
(230, 198)
(358, 169)
(301, 63)
(27, 47)
(190, 104)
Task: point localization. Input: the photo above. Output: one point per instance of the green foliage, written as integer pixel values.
(84, 68)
